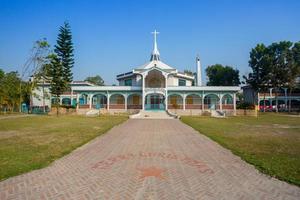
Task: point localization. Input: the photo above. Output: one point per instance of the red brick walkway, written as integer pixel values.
(148, 159)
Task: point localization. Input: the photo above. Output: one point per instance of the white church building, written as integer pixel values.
(152, 86)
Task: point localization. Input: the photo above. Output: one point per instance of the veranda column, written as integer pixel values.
(166, 88)
(108, 99)
(234, 103)
(90, 101)
(220, 101)
(143, 93)
(202, 101)
(77, 102)
(125, 96)
(184, 96)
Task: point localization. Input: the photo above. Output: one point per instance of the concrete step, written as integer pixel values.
(148, 114)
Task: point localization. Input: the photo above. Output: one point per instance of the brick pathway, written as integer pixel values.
(148, 159)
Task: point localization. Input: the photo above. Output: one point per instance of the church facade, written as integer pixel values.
(152, 86)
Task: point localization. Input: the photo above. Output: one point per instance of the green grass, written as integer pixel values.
(270, 142)
(29, 143)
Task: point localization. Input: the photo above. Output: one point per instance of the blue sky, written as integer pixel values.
(112, 37)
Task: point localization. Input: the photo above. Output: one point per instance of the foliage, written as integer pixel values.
(219, 75)
(269, 142)
(188, 72)
(35, 142)
(64, 50)
(97, 80)
(245, 105)
(274, 66)
(10, 85)
(57, 82)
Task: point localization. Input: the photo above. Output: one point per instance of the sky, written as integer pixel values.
(112, 37)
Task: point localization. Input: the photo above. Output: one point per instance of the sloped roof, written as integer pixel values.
(156, 63)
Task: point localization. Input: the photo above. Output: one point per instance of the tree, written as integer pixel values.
(57, 80)
(219, 75)
(259, 78)
(10, 92)
(188, 72)
(281, 63)
(97, 80)
(36, 67)
(64, 50)
(293, 71)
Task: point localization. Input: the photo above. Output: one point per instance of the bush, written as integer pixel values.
(245, 105)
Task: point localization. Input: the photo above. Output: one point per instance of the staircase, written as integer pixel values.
(149, 114)
(92, 113)
(217, 114)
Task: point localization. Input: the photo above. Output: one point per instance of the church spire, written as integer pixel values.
(155, 53)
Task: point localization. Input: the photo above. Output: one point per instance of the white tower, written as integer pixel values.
(199, 75)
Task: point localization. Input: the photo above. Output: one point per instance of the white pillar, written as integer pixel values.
(184, 101)
(108, 99)
(125, 96)
(234, 103)
(166, 88)
(143, 93)
(90, 100)
(77, 101)
(71, 96)
(202, 100)
(220, 101)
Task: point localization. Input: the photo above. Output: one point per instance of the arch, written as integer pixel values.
(83, 101)
(134, 101)
(154, 101)
(193, 101)
(66, 101)
(155, 79)
(99, 101)
(227, 102)
(55, 100)
(117, 101)
(175, 101)
(211, 101)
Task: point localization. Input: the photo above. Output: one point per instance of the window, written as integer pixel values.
(128, 82)
(182, 82)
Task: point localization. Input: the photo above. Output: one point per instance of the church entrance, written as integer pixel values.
(155, 102)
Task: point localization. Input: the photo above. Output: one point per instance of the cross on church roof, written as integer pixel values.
(155, 52)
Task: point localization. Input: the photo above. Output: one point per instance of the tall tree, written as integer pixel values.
(35, 67)
(64, 50)
(97, 80)
(259, 78)
(281, 59)
(293, 71)
(57, 81)
(219, 75)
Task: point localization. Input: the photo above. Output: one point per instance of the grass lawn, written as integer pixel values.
(28, 143)
(271, 142)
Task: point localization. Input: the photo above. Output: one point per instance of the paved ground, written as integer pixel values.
(148, 159)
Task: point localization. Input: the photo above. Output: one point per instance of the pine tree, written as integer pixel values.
(57, 81)
(64, 50)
